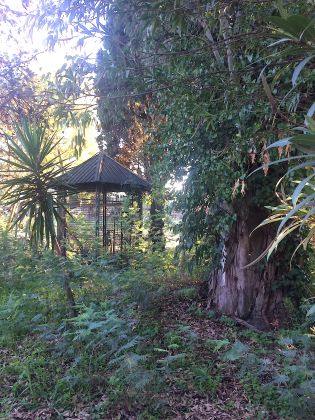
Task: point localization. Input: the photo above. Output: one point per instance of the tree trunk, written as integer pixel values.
(61, 250)
(248, 293)
(69, 294)
(156, 232)
(61, 233)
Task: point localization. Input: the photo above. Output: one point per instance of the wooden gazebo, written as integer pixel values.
(107, 180)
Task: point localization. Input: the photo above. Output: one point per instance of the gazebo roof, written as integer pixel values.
(103, 173)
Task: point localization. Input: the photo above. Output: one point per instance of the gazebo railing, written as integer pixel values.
(107, 225)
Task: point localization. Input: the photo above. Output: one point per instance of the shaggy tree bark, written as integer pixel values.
(248, 293)
(156, 232)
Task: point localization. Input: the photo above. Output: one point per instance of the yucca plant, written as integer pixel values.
(27, 184)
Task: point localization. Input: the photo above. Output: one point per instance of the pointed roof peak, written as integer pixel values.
(102, 171)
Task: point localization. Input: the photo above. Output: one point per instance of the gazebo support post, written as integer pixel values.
(114, 235)
(140, 215)
(105, 220)
(97, 213)
(121, 236)
(140, 205)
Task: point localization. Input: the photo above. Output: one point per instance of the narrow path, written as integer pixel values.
(231, 401)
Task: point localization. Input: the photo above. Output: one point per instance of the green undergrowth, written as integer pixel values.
(140, 337)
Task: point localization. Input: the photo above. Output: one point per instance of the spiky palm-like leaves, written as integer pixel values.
(297, 209)
(32, 169)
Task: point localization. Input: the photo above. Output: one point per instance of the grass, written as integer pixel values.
(142, 345)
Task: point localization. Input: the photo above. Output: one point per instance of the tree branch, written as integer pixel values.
(209, 36)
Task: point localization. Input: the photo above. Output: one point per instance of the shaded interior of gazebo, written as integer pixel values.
(97, 188)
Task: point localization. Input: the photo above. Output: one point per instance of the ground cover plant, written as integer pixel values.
(143, 345)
